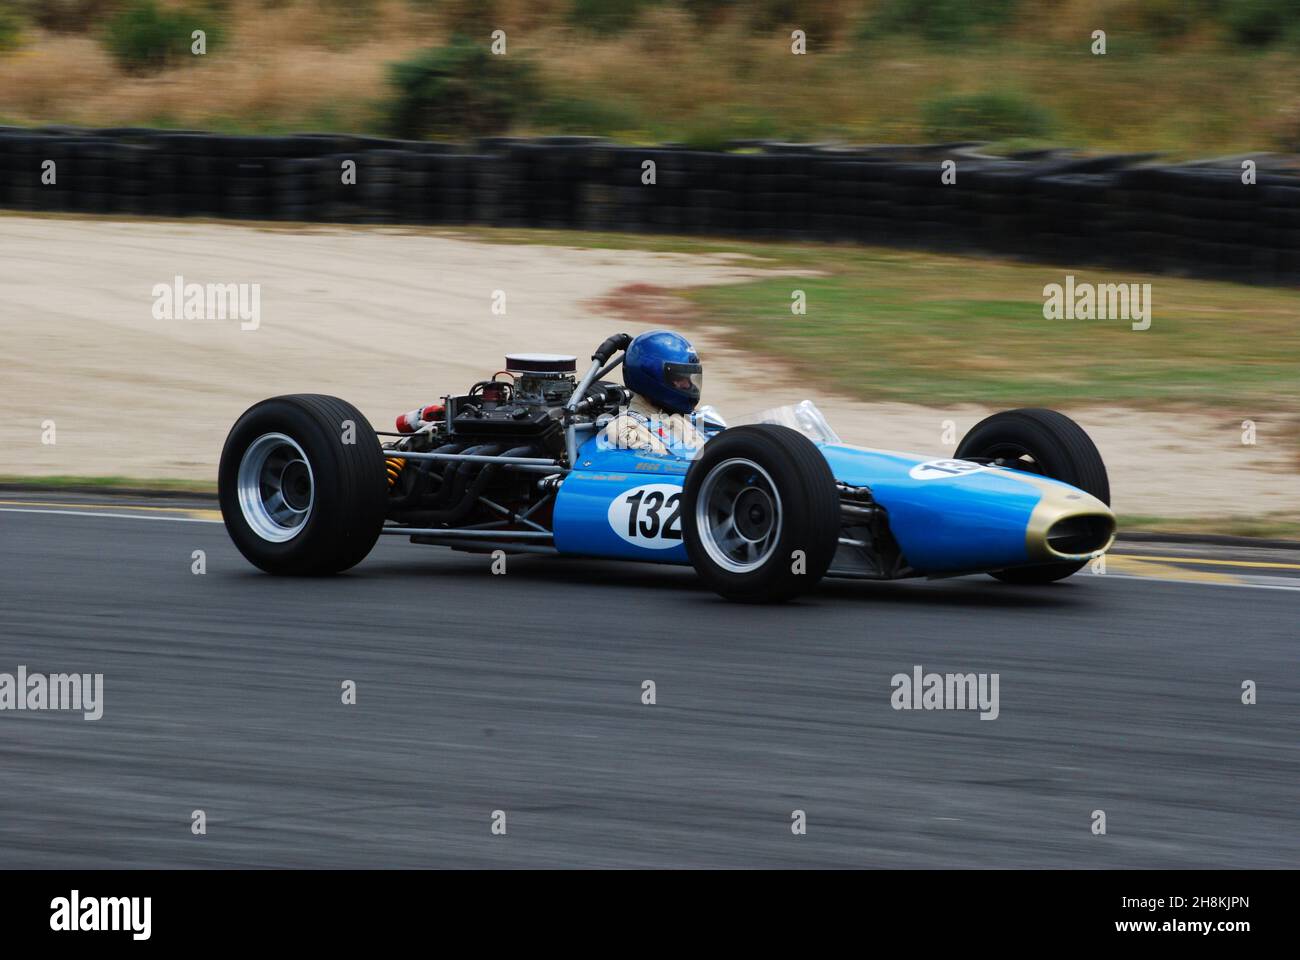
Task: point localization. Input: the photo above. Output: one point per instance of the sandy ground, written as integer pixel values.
(391, 319)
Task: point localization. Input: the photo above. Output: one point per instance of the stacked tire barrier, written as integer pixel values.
(1118, 211)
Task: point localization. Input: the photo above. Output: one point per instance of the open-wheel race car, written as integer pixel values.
(523, 463)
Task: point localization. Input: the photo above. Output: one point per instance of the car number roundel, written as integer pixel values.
(648, 516)
(943, 469)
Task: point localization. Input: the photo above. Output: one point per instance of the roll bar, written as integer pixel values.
(599, 359)
(600, 365)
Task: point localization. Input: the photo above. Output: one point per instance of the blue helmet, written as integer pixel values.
(663, 367)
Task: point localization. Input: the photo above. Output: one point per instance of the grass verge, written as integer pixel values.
(1280, 526)
(889, 325)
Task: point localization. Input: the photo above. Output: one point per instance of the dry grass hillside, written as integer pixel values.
(1181, 76)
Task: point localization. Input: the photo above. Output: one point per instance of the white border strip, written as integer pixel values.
(119, 516)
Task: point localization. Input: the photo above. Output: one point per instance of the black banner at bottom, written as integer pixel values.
(337, 908)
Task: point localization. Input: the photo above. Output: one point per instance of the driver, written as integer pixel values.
(664, 374)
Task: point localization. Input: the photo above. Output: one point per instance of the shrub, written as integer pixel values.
(821, 20)
(945, 21)
(1169, 19)
(606, 16)
(984, 116)
(462, 89)
(11, 29)
(1259, 23)
(65, 16)
(709, 11)
(144, 37)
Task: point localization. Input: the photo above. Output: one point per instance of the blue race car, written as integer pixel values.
(523, 463)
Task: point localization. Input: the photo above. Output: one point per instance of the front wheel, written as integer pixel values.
(761, 515)
(302, 485)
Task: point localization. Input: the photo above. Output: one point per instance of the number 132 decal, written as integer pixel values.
(649, 516)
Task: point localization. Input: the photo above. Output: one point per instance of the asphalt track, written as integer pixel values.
(522, 693)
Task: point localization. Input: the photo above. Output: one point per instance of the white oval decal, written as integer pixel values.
(939, 469)
(649, 516)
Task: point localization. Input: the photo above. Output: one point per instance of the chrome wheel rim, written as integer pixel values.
(277, 489)
(738, 515)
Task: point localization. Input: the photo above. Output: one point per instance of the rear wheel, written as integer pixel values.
(761, 514)
(1047, 443)
(302, 485)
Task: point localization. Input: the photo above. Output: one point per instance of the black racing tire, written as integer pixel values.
(1045, 442)
(786, 490)
(335, 506)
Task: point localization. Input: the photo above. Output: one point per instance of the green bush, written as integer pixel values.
(144, 37)
(1169, 19)
(462, 89)
(11, 28)
(1259, 23)
(606, 16)
(985, 116)
(944, 21)
(706, 11)
(64, 16)
(821, 20)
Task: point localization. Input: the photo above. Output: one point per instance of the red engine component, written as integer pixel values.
(415, 419)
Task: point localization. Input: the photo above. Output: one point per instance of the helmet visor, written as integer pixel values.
(686, 378)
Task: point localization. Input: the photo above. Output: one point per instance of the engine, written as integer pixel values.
(475, 480)
(529, 406)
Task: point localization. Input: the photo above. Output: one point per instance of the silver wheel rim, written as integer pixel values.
(738, 515)
(277, 489)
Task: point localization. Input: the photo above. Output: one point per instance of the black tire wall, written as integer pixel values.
(1120, 212)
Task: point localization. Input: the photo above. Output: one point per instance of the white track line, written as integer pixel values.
(119, 516)
(1206, 583)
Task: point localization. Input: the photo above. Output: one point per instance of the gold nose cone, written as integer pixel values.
(1093, 533)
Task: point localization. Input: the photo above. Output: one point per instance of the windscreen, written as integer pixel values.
(804, 417)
